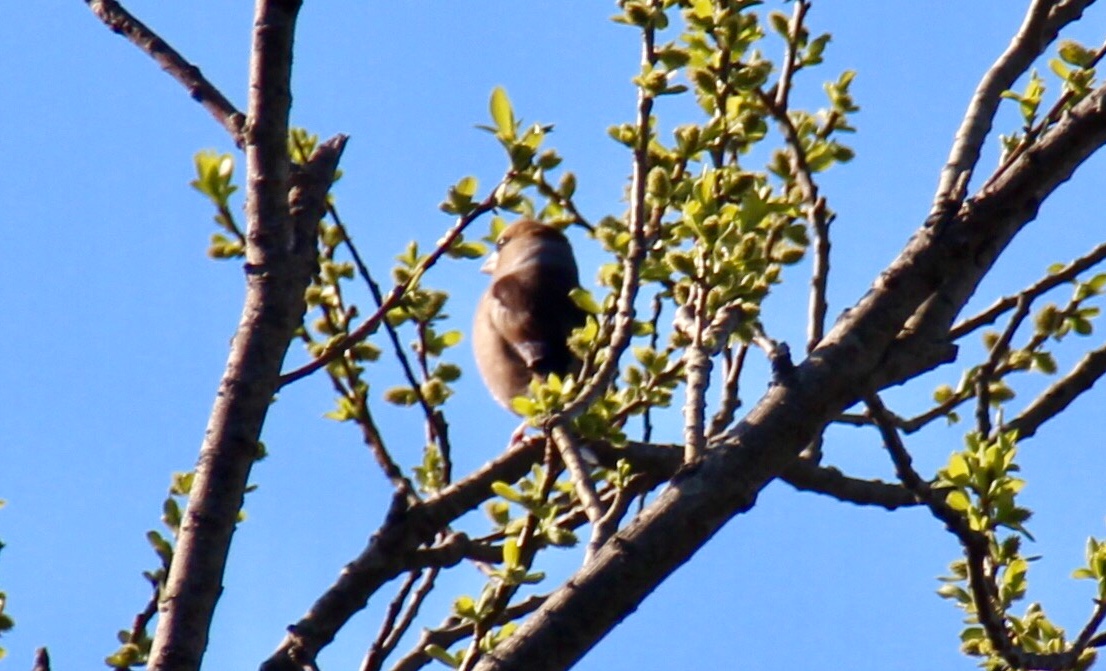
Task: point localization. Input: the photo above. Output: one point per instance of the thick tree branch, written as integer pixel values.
(202, 91)
(863, 351)
(1009, 202)
(280, 255)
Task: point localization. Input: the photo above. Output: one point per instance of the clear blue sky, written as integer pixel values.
(118, 325)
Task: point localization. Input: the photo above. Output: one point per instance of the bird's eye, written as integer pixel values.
(502, 242)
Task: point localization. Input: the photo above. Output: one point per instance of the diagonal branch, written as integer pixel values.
(1043, 20)
(202, 91)
(372, 323)
(1009, 202)
(946, 258)
(1045, 284)
(390, 551)
(1058, 396)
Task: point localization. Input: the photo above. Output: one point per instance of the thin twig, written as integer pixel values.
(376, 654)
(199, 88)
(369, 326)
(1042, 126)
(816, 213)
(1060, 394)
(783, 87)
(1085, 636)
(819, 273)
(436, 424)
(585, 489)
(450, 631)
(730, 400)
(654, 337)
(1066, 274)
(987, 371)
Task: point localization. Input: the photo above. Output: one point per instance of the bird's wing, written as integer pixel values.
(535, 318)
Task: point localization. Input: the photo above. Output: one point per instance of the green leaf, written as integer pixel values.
(511, 554)
(504, 490)
(957, 470)
(502, 114)
(958, 500)
(467, 186)
(1059, 69)
(585, 301)
(401, 396)
(1076, 54)
(450, 338)
(439, 653)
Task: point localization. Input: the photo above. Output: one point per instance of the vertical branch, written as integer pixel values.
(654, 337)
(729, 400)
(697, 366)
(819, 274)
(640, 221)
(436, 427)
(784, 88)
(987, 370)
(280, 254)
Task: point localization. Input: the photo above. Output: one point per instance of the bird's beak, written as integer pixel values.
(490, 263)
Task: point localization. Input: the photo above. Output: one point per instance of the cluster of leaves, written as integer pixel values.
(717, 237)
(981, 485)
(135, 643)
(982, 488)
(1075, 68)
(733, 229)
(214, 179)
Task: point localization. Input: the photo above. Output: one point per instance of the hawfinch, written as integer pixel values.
(523, 321)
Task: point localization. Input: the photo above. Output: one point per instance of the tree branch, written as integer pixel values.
(281, 253)
(1043, 20)
(1058, 396)
(372, 323)
(202, 91)
(1065, 274)
(1009, 202)
(863, 350)
(807, 476)
(403, 531)
(42, 660)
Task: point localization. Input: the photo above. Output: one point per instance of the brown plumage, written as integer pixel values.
(524, 318)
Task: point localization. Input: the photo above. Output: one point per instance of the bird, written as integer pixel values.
(523, 320)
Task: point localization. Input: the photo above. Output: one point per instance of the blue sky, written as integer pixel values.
(118, 324)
